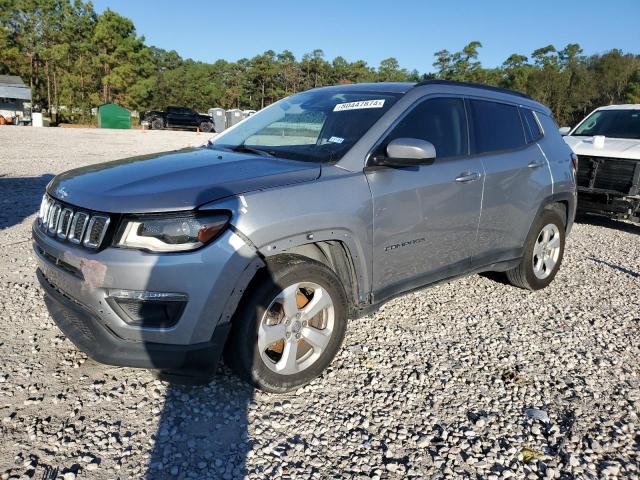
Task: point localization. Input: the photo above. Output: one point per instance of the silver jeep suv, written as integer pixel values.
(313, 211)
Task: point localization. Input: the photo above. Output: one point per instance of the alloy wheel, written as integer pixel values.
(296, 328)
(546, 251)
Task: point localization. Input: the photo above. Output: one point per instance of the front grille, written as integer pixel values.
(68, 224)
(609, 174)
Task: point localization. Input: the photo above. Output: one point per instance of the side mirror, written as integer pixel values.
(407, 152)
(564, 131)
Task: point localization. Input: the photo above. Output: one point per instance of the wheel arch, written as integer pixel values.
(335, 255)
(564, 204)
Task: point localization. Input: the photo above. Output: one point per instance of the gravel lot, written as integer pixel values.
(439, 383)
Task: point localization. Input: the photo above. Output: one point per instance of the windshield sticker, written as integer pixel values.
(341, 107)
(336, 140)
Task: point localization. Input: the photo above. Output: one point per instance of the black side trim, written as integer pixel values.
(409, 284)
(86, 331)
(383, 296)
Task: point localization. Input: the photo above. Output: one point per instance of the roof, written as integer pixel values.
(12, 86)
(18, 93)
(381, 87)
(11, 80)
(627, 106)
(473, 85)
(111, 105)
(403, 87)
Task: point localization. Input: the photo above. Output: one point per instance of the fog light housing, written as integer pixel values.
(147, 309)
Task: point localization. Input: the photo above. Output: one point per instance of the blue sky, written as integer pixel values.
(373, 30)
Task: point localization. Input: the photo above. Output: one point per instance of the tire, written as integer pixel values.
(157, 124)
(269, 369)
(530, 273)
(206, 127)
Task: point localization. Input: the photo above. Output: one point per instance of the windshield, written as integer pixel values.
(611, 123)
(318, 126)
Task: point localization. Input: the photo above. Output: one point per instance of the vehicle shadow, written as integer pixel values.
(20, 197)
(601, 221)
(203, 431)
(620, 268)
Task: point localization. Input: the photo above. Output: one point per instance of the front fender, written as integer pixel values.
(335, 207)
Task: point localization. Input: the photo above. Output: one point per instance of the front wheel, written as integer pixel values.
(206, 127)
(543, 253)
(290, 327)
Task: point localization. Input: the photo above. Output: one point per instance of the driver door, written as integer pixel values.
(426, 217)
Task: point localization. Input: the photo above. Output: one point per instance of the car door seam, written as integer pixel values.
(484, 177)
(548, 167)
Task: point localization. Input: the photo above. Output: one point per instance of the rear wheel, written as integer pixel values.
(290, 327)
(543, 253)
(157, 124)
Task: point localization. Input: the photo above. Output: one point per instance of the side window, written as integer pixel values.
(441, 121)
(532, 129)
(497, 126)
(548, 123)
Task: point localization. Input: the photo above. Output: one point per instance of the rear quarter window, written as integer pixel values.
(496, 126)
(531, 127)
(548, 124)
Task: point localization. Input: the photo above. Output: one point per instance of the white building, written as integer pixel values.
(15, 99)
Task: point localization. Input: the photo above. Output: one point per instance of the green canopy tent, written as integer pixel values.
(111, 115)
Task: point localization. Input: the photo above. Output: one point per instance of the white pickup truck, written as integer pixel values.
(607, 143)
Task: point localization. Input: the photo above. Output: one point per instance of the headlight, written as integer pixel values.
(170, 233)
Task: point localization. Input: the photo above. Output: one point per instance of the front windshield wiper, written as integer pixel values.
(239, 148)
(243, 148)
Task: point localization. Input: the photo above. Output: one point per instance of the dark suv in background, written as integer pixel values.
(178, 117)
(314, 210)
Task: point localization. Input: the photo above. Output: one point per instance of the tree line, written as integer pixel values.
(74, 57)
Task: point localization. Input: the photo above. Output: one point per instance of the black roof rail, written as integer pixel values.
(473, 85)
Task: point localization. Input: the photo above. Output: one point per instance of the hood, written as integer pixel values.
(181, 180)
(613, 147)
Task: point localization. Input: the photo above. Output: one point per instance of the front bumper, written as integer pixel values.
(615, 205)
(86, 331)
(78, 282)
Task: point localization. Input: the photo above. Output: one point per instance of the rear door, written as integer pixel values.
(178, 117)
(174, 118)
(190, 118)
(426, 217)
(517, 177)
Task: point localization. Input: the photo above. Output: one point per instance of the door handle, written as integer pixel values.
(466, 177)
(533, 165)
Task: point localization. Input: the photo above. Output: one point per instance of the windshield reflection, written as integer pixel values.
(318, 126)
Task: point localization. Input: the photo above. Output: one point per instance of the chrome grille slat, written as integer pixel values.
(64, 223)
(94, 235)
(78, 227)
(54, 216)
(75, 226)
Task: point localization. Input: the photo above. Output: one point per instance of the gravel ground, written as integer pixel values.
(471, 379)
